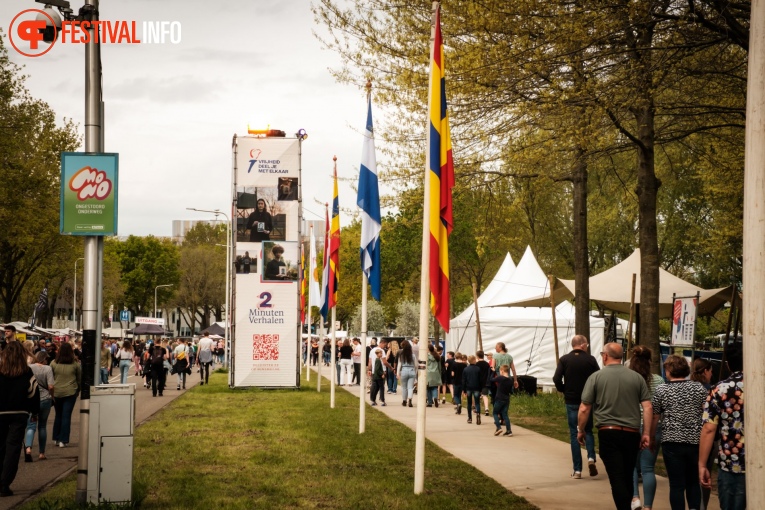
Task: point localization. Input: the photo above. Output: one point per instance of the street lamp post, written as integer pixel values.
(216, 212)
(74, 303)
(155, 296)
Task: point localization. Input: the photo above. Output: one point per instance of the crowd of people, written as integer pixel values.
(637, 412)
(39, 376)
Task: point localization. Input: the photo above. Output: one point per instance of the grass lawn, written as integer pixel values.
(214, 448)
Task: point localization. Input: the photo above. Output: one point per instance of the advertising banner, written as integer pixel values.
(158, 321)
(89, 193)
(266, 262)
(684, 321)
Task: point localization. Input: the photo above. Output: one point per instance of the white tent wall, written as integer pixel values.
(527, 334)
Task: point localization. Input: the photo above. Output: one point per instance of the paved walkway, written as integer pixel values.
(36, 477)
(528, 464)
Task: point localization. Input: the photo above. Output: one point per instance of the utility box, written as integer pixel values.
(110, 443)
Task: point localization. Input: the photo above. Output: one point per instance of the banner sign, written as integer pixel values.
(266, 223)
(158, 321)
(684, 321)
(89, 193)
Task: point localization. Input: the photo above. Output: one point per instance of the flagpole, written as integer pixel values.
(333, 365)
(320, 360)
(363, 371)
(308, 319)
(422, 383)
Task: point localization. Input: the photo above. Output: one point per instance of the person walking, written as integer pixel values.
(505, 385)
(615, 394)
(457, 368)
(125, 357)
(485, 368)
(701, 372)
(392, 360)
(106, 360)
(157, 370)
(67, 377)
(19, 399)
(378, 379)
(356, 358)
(723, 415)
(181, 355)
(346, 363)
(570, 376)
(433, 372)
(44, 376)
(471, 387)
(680, 402)
(406, 372)
(205, 357)
(640, 362)
(137, 357)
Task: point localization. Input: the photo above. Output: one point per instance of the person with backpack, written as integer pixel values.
(158, 374)
(181, 363)
(205, 358)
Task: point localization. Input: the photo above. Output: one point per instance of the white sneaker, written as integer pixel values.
(576, 475)
(61, 445)
(635, 505)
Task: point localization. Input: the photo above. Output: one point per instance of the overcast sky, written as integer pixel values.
(171, 110)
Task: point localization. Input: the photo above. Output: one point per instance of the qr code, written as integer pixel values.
(265, 347)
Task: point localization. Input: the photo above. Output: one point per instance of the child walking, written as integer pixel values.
(502, 399)
(378, 380)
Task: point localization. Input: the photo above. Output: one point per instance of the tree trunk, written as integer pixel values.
(647, 191)
(581, 252)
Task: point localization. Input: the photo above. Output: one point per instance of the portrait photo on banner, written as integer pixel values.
(246, 260)
(261, 215)
(288, 189)
(280, 261)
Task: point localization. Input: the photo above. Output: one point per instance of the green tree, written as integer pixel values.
(145, 263)
(30, 145)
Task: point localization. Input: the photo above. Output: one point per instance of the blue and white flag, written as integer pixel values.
(369, 201)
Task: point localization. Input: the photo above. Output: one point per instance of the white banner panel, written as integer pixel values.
(266, 261)
(684, 321)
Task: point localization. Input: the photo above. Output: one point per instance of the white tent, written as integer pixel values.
(526, 332)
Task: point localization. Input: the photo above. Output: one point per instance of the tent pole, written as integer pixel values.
(555, 325)
(632, 313)
(727, 330)
(477, 321)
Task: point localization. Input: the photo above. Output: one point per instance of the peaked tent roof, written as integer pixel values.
(214, 329)
(148, 329)
(612, 289)
(504, 273)
(528, 281)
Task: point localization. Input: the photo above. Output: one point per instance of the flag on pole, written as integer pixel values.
(42, 304)
(304, 276)
(324, 306)
(441, 170)
(368, 199)
(334, 245)
(314, 291)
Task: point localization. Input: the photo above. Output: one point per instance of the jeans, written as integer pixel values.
(104, 375)
(732, 490)
(326, 357)
(408, 376)
(432, 394)
(345, 367)
(41, 426)
(572, 413)
(473, 395)
(182, 378)
(618, 451)
(457, 395)
(500, 410)
(682, 462)
(63, 420)
(378, 386)
(204, 371)
(392, 381)
(646, 462)
(356, 373)
(124, 368)
(12, 428)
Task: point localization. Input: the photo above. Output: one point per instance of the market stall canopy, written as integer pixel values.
(148, 329)
(215, 329)
(611, 289)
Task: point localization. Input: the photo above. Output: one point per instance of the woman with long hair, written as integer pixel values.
(392, 356)
(701, 372)
(67, 377)
(44, 376)
(19, 398)
(640, 362)
(680, 402)
(433, 372)
(125, 355)
(406, 372)
(346, 363)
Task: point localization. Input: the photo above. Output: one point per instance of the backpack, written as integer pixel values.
(157, 358)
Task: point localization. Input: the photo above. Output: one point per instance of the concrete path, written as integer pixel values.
(528, 464)
(33, 478)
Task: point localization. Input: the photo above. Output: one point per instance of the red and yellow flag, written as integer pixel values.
(334, 246)
(441, 170)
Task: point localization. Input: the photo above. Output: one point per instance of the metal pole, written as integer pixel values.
(91, 277)
(363, 361)
(320, 354)
(422, 383)
(333, 363)
(74, 305)
(477, 318)
(226, 334)
(632, 313)
(752, 307)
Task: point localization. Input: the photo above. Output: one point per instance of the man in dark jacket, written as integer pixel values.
(471, 387)
(573, 370)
